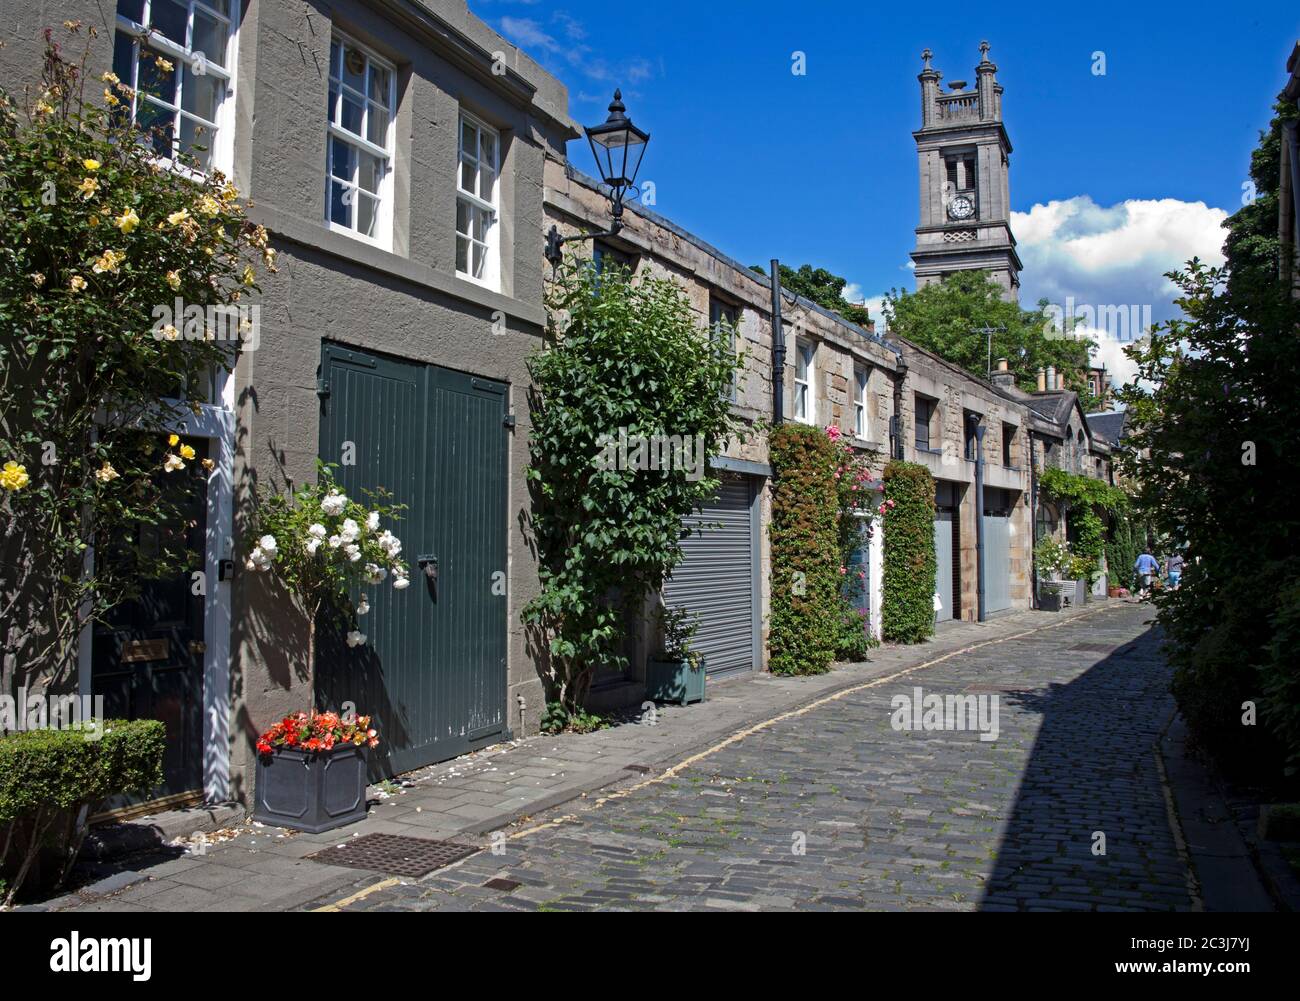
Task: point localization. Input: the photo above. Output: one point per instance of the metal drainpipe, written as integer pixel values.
(1033, 522)
(979, 518)
(900, 374)
(778, 348)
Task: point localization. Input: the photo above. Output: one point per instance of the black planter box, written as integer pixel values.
(311, 792)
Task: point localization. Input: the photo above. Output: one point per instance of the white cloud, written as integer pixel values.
(1112, 258)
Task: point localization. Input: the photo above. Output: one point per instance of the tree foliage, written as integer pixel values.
(944, 318)
(623, 358)
(1215, 450)
(95, 236)
(820, 286)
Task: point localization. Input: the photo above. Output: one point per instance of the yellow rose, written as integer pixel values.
(109, 98)
(249, 276)
(169, 333)
(127, 221)
(163, 64)
(91, 164)
(173, 440)
(209, 205)
(109, 77)
(176, 218)
(174, 279)
(88, 187)
(173, 463)
(38, 279)
(109, 261)
(187, 452)
(77, 283)
(14, 476)
(106, 473)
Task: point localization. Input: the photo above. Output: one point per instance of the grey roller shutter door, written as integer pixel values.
(717, 579)
(943, 563)
(997, 563)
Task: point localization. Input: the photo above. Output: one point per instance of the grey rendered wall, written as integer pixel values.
(407, 303)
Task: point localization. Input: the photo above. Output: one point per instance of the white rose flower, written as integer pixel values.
(350, 530)
(268, 544)
(334, 503)
(356, 638)
(372, 522)
(336, 541)
(363, 606)
(311, 546)
(400, 583)
(353, 552)
(375, 573)
(317, 530)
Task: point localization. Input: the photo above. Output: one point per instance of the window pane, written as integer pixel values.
(341, 204)
(467, 175)
(462, 218)
(371, 172)
(201, 95)
(468, 140)
(196, 141)
(160, 83)
(367, 214)
(354, 69)
(486, 179)
(336, 56)
(124, 57)
(331, 106)
(134, 9)
(377, 126)
(482, 224)
(220, 6)
(462, 254)
(480, 258)
(158, 125)
(345, 160)
(488, 145)
(170, 18)
(352, 114)
(379, 85)
(209, 38)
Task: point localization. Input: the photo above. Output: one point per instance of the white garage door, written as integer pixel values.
(718, 581)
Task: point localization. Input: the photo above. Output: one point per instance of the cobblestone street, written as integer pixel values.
(831, 807)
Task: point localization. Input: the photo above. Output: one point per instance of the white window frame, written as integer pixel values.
(491, 277)
(221, 148)
(805, 402)
(861, 383)
(383, 237)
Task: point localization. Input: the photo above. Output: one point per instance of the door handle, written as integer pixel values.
(429, 564)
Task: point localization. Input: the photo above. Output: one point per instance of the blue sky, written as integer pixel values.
(1115, 178)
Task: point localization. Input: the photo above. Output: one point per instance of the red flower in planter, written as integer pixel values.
(322, 732)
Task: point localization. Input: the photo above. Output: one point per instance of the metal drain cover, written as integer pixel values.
(394, 853)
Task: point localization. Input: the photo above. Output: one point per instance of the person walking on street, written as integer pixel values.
(1174, 569)
(1146, 568)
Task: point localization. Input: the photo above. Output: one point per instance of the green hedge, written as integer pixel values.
(806, 580)
(907, 615)
(47, 776)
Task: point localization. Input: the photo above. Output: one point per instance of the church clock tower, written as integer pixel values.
(963, 150)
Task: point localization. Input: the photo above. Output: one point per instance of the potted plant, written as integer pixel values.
(324, 548)
(1052, 562)
(1080, 573)
(677, 673)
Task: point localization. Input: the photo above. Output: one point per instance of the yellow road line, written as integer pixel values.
(338, 905)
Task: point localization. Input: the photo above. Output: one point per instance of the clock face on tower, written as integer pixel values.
(961, 207)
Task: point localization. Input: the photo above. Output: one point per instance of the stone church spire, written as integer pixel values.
(963, 154)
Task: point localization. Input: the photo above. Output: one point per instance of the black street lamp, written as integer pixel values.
(618, 147)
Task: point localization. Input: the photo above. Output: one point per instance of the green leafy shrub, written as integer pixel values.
(622, 357)
(557, 719)
(47, 777)
(910, 570)
(806, 581)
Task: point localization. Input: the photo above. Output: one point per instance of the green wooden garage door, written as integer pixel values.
(433, 672)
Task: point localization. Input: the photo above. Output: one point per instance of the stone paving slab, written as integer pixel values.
(500, 785)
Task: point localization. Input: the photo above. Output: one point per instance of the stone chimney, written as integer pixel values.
(1051, 377)
(1042, 380)
(1003, 377)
